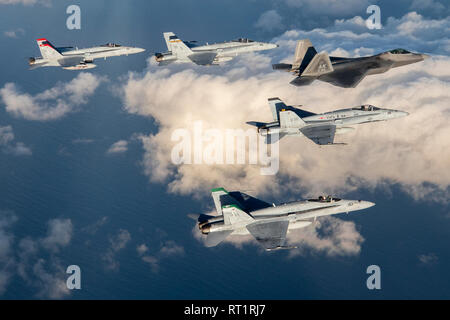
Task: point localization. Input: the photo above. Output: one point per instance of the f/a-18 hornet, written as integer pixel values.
(71, 58)
(241, 214)
(309, 65)
(320, 128)
(210, 54)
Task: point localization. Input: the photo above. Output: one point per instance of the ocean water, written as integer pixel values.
(71, 176)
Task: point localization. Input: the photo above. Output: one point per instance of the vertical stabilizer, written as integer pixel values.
(276, 105)
(48, 51)
(216, 193)
(304, 53)
(176, 45)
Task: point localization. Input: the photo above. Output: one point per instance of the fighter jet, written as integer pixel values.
(71, 58)
(320, 128)
(241, 214)
(309, 65)
(210, 54)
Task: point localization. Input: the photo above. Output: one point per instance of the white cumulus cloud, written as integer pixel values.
(52, 103)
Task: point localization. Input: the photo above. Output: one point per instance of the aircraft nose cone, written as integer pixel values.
(401, 114)
(366, 204)
(139, 50)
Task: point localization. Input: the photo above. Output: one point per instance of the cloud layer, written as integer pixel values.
(7, 144)
(53, 103)
(410, 152)
(26, 258)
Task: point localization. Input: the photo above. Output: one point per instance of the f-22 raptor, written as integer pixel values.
(320, 128)
(71, 58)
(241, 214)
(309, 65)
(208, 54)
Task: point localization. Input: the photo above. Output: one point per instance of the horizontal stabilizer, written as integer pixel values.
(200, 217)
(214, 238)
(302, 81)
(256, 124)
(282, 66)
(273, 138)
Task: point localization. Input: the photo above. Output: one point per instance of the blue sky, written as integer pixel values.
(92, 184)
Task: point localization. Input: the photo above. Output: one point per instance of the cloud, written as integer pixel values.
(94, 227)
(331, 236)
(24, 258)
(14, 33)
(59, 234)
(269, 21)
(330, 8)
(117, 243)
(7, 145)
(46, 3)
(433, 6)
(428, 259)
(82, 141)
(120, 146)
(412, 32)
(50, 285)
(410, 152)
(53, 103)
(7, 219)
(166, 249)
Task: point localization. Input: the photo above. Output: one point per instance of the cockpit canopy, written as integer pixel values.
(244, 40)
(366, 107)
(111, 45)
(325, 199)
(399, 51)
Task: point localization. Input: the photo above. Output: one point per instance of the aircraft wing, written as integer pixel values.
(320, 134)
(204, 58)
(271, 235)
(347, 78)
(37, 65)
(70, 61)
(165, 62)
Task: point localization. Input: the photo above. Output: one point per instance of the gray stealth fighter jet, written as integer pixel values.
(320, 128)
(241, 214)
(309, 65)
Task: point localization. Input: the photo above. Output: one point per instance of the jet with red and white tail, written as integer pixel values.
(71, 58)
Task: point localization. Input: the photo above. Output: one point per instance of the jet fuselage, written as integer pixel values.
(299, 214)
